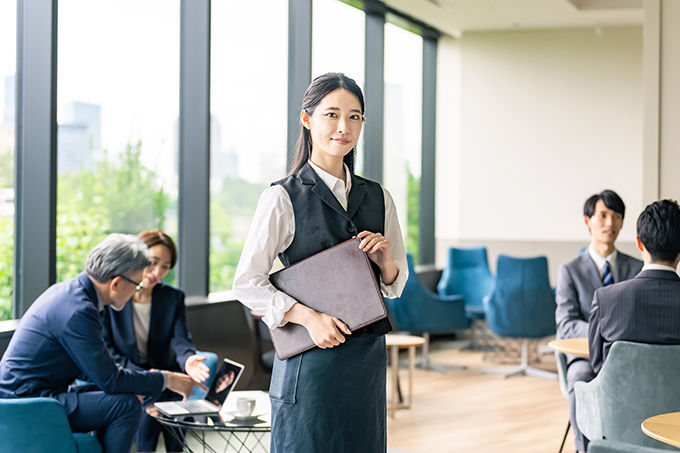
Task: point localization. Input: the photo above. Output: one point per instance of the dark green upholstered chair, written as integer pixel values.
(38, 425)
(637, 381)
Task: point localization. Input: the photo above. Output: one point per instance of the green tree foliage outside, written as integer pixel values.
(113, 197)
(239, 199)
(6, 256)
(413, 207)
(6, 237)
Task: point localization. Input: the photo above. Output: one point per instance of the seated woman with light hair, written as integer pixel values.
(151, 333)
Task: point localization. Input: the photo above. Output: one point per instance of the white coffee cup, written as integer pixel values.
(245, 407)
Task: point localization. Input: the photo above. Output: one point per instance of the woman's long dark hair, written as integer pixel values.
(320, 87)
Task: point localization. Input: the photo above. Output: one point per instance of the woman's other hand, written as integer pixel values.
(326, 331)
(378, 250)
(195, 368)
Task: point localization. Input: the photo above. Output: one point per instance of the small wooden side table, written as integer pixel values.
(664, 427)
(394, 343)
(574, 346)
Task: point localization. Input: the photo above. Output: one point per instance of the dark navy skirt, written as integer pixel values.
(331, 400)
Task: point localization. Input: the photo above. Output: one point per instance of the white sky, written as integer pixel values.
(8, 44)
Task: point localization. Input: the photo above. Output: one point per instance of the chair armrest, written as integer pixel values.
(609, 446)
(588, 409)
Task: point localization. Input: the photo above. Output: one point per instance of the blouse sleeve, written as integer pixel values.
(271, 232)
(394, 237)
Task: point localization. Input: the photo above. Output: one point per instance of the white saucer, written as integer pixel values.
(252, 416)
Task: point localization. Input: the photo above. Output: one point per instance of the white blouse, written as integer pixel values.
(272, 232)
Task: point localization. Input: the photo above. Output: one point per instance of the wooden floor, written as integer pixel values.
(466, 411)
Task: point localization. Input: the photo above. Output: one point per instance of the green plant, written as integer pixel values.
(6, 256)
(120, 197)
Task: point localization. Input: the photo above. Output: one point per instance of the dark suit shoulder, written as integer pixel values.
(163, 292)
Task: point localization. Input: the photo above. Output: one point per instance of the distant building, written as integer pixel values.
(9, 109)
(73, 148)
(89, 115)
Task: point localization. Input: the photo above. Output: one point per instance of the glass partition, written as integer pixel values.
(118, 111)
(248, 101)
(338, 43)
(403, 127)
(8, 58)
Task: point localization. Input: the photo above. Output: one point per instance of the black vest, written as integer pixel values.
(321, 222)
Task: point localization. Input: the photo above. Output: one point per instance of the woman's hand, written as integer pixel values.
(326, 331)
(378, 250)
(195, 368)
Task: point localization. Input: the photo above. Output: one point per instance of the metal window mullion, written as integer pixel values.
(299, 66)
(194, 147)
(375, 95)
(426, 217)
(36, 152)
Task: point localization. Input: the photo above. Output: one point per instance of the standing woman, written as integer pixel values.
(151, 332)
(331, 398)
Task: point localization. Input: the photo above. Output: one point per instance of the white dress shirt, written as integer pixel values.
(141, 318)
(658, 267)
(272, 232)
(601, 260)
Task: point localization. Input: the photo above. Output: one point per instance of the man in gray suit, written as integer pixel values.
(645, 309)
(600, 265)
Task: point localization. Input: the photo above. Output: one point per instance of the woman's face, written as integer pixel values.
(160, 265)
(335, 125)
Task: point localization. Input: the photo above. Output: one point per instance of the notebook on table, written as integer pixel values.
(225, 380)
(338, 281)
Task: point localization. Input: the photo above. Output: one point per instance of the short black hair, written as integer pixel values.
(658, 227)
(610, 199)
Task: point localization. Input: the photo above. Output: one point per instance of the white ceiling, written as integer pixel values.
(454, 17)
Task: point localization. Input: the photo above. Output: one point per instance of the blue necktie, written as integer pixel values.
(607, 278)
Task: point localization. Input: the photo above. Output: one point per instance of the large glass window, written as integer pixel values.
(8, 45)
(118, 110)
(248, 97)
(403, 127)
(338, 45)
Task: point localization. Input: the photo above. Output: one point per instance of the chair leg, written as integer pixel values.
(564, 439)
(427, 365)
(521, 369)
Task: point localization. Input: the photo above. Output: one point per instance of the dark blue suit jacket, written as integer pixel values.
(60, 338)
(169, 343)
(645, 309)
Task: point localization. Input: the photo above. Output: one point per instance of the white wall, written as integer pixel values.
(530, 124)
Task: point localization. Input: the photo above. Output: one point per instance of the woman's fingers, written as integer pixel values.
(342, 326)
(325, 333)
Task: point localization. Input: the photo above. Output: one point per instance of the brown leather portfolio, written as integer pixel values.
(339, 282)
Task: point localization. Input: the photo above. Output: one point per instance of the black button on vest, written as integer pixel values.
(321, 222)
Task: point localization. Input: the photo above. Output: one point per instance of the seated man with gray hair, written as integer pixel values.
(59, 339)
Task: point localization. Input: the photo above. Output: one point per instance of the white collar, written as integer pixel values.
(657, 267)
(331, 180)
(601, 260)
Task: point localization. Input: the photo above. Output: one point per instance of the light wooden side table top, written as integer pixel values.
(664, 427)
(403, 341)
(573, 346)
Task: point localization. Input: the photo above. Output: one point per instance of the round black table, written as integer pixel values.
(225, 432)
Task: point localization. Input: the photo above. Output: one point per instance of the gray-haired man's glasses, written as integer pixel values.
(139, 286)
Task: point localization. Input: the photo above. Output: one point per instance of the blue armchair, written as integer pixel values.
(36, 425)
(421, 311)
(522, 305)
(210, 362)
(468, 274)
